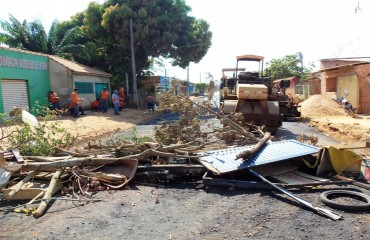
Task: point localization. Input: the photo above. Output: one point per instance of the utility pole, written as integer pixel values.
(134, 80)
(166, 82)
(127, 91)
(187, 80)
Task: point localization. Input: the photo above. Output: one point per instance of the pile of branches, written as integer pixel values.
(231, 130)
(80, 171)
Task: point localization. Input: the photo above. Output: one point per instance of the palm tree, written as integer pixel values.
(29, 36)
(65, 39)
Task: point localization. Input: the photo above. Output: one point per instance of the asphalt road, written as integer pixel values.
(289, 130)
(184, 210)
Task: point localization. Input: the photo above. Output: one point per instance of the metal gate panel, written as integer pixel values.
(349, 83)
(15, 94)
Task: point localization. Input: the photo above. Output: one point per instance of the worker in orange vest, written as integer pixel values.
(74, 101)
(104, 98)
(72, 110)
(96, 105)
(121, 94)
(54, 100)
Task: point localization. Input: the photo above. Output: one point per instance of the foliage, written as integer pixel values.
(133, 137)
(99, 37)
(65, 39)
(30, 36)
(187, 128)
(37, 141)
(201, 86)
(162, 28)
(288, 66)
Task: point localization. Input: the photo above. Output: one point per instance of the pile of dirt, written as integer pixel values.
(329, 118)
(320, 105)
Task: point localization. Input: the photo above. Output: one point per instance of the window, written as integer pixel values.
(85, 87)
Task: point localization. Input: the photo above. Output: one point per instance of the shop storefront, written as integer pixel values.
(24, 80)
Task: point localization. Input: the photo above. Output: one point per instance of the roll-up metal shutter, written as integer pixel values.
(15, 94)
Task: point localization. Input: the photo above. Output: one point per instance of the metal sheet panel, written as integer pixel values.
(224, 161)
(349, 83)
(15, 94)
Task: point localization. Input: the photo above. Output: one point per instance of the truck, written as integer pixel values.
(251, 94)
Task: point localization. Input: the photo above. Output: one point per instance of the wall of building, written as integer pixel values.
(329, 83)
(315, 86)
(32, 68)
(61, 82)
(363, 73)
(90, 97)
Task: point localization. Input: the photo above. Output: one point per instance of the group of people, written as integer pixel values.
(100, 104)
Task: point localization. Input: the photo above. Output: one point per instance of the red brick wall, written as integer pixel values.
(329, 83)
(363, 72)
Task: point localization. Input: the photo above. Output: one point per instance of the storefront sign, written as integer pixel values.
(22, 63)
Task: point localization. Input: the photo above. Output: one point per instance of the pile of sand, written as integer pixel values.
(319, 105)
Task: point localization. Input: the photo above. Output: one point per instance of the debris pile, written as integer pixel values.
(238, 154)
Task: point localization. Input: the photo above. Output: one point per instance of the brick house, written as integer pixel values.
(351, 74)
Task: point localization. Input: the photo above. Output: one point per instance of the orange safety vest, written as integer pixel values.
(122, 92)
(53, 98)
(104, 95)
(74, 97)
(95, 104)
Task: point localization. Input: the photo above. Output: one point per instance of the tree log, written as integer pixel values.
(19, 185)
(45, 159)
(49, 192)
(52, 166)
(250, 152)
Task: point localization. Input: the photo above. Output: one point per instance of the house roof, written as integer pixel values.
(288, 78)
(343, 66)
(76, 68)
(353, 59)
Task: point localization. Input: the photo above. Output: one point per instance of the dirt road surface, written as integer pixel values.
(180, 210)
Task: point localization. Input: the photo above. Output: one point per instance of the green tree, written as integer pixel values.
(26, 35)
(288, 66)
(200, 86)
(162, 28)
(65, 39)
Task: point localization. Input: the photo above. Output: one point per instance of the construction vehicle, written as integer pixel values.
(287, 103)
(251, 94)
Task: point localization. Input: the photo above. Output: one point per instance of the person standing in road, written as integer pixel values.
(150, 101)
(74, 101)
(115, 100)
(104, 98)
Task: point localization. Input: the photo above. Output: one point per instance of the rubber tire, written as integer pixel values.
(325, 198)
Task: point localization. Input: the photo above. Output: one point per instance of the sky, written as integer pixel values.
(271, 28)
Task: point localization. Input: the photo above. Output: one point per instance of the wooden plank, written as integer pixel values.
(17, 155)
(30, 190)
